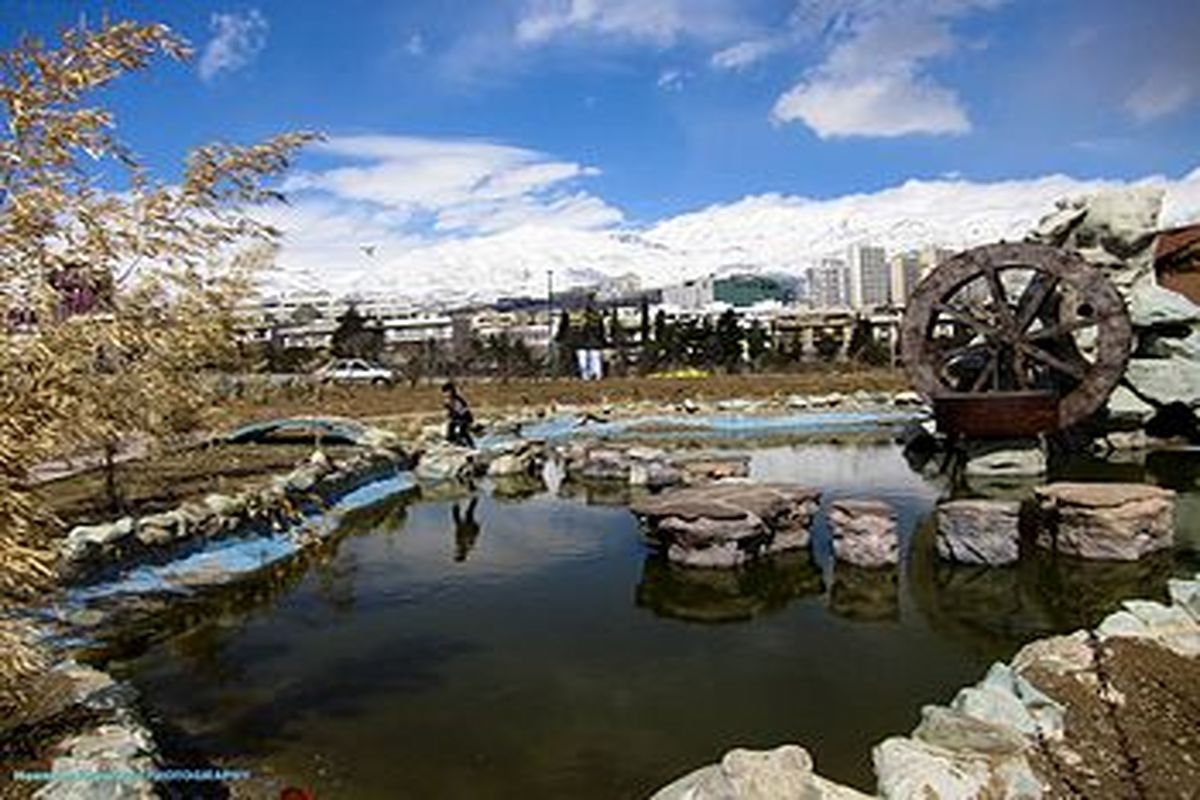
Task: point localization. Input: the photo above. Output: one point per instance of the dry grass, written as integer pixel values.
(166, 480)
(491, 396)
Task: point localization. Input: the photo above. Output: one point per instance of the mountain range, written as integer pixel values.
(765, 234)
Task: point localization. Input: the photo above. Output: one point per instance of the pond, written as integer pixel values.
(529, 645)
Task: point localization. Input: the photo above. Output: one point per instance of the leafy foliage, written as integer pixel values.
(116, 290)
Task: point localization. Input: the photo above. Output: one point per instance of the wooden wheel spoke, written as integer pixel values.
(1000, 298)
(1064, 328)
(1032, 300)
(988, 373)
(958, 352)
(965, 316)
(1053, 361)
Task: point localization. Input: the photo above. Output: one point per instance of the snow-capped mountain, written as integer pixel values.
(765, 234)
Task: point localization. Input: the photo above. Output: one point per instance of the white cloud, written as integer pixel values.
(461, 185)
(237, 40)
(659, 22)
(744, 54)
(672, 79)
(1163, 93)
(874, 80)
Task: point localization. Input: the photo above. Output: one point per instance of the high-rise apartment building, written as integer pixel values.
(870, 278)
(906, 274)
(828, 284)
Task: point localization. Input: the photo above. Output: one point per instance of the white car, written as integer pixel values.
(355, 370)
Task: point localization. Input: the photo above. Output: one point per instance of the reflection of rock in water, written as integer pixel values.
(996, 609)
(513, 488)
(726, 595)
(865, 593)
(600, 493)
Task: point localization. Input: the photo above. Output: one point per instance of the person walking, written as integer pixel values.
(458, 416)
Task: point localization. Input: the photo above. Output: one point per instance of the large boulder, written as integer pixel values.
(784, 773)
(975, 531)
(1109, 521)
(723, 525)
(1175, 379)
(523, 457)
(864, 533)
(952, 755)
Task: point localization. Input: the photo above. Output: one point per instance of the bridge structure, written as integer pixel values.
(332, 430)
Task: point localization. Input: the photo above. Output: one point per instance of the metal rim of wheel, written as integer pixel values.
(1018, 317)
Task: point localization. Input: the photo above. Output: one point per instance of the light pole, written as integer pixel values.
(551, 351)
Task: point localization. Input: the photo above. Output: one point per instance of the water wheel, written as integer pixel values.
(1015, 339)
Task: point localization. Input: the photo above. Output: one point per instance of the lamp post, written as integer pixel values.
(551, 351)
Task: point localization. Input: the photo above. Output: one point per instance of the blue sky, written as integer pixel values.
(462, 116)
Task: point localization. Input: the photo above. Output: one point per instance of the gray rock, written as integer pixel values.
(84, 540)
(1005, 458)
(1125, 406)
(978, 531)
(524, 458)
(1122, 221)
(910, 769)
(225, 506)
(1166, 380)
(1005, 699)
(1151, 304)
(864, 533)
(784, 773)
(1185, 595)
(444, 463)
(156, 530)
(1106, 521)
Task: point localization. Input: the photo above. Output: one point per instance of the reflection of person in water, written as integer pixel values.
(466, 529)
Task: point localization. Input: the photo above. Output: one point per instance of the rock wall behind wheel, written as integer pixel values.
(1116, 231)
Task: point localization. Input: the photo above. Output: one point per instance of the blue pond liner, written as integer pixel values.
(234, 557)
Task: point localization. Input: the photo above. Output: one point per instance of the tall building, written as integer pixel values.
(906, 274)
(827, 284)
(870, 278)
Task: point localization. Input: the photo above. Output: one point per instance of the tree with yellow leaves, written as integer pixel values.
(116, 294)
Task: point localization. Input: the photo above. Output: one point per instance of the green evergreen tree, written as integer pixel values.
(728, 338)
(357, 336)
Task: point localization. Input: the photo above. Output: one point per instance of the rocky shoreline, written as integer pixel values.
(1106, 712)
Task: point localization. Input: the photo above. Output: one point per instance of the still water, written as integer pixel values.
(530, 646)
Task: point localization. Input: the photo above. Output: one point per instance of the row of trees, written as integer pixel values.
(116, 288)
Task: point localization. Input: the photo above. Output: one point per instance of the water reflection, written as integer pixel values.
(466, 529)
(995, 609)
(865, 594)
(726, 595)
(515, 488)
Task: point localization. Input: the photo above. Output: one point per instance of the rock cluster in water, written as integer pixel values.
(1110, 521)
(864, 532)
(727, 524)
(979, 531)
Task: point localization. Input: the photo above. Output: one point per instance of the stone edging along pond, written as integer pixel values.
(109, 733)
